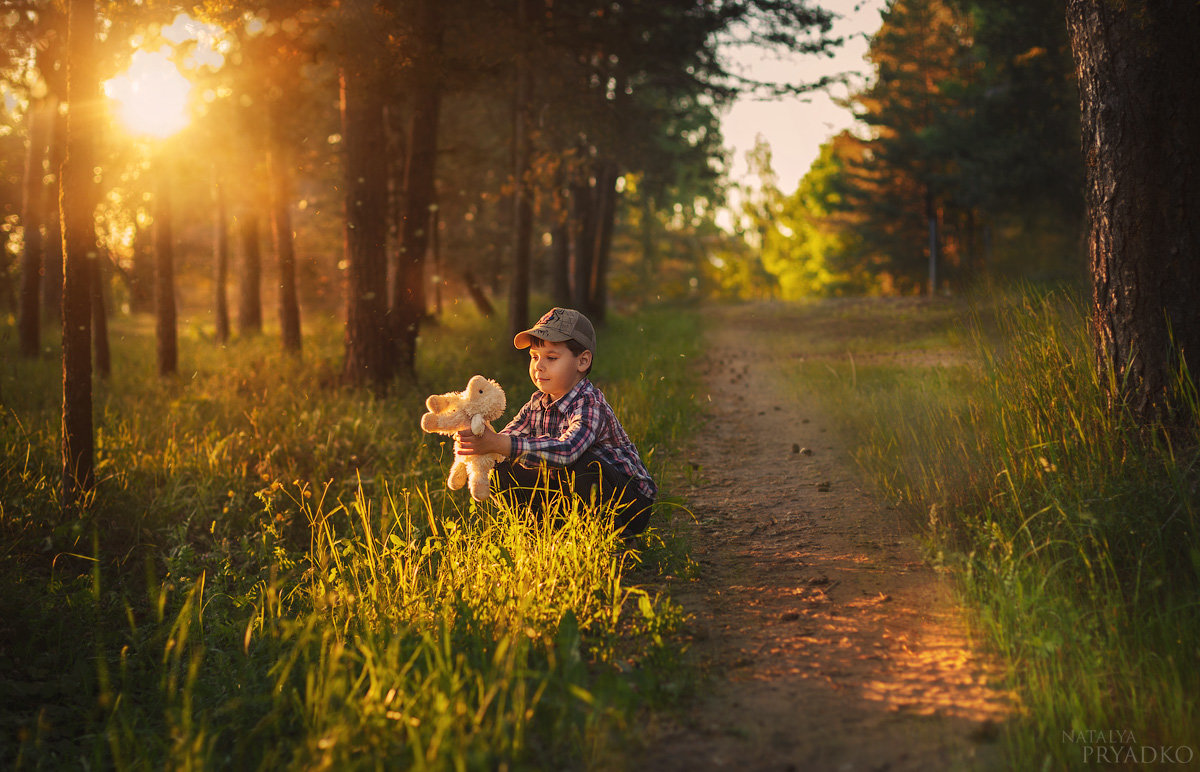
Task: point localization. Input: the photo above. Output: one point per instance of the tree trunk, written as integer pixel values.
(220, 263)
(419, 187)
(164, 271)
(281, 228)
(52, 256)
(1140, 95)
(518, 286)
(33, 208)
(606, 214)
(140, 278)
(931, 219)
(370, 357)
(100, 317)
(79, 252)
(250, 292)
(583, 241)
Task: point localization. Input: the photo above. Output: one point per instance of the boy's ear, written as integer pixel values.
(585, 360)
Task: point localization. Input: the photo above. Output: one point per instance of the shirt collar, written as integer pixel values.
(565, 400)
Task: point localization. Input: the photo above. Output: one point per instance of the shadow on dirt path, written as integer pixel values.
(830, 643)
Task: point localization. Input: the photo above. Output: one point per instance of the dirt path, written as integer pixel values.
(831, 644)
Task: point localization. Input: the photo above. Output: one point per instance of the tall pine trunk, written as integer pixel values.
(408, 293)
(100, 346)
(32, 211)
(220, 263)
(250, 318)
(279, 176)
(52, 257)
(583, 240)
(518, 287)
(79, 253)
(164, 271)
(1140, 95)
(606, 214)
(369, 357)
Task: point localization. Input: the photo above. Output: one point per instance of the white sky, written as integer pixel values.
(796, 127)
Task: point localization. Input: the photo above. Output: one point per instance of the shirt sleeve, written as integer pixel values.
(519, 425)
(567, 447)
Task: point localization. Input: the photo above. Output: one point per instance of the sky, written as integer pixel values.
(796, 127)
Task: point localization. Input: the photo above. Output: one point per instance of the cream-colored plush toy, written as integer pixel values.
(472, 408)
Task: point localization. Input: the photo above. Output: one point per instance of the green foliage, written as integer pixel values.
(1075, 535)
(973, 132)
(271, 573)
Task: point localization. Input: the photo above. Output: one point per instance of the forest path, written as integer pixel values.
(829, 643)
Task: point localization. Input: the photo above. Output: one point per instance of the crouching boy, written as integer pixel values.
(567, 437)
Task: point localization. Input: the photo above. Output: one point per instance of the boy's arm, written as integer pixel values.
(565, 449)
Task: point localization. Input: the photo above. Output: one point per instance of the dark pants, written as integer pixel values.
(583, 478)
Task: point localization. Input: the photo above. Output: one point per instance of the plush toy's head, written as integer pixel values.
(456, 410)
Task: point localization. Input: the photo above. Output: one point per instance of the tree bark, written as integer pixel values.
(606, 215)
(250, 319)
(100, 346)
(140, 277)
(369, 358)
(1140, 96)
(30, 313)
(164, 272)
(52, 257)
(79, 253)
(518, 286)
(408, 295)
(281, 229)
(220, 263)
(583, 240)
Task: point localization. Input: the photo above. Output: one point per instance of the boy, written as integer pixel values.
(567, 432)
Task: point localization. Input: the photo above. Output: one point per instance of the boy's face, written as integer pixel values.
(554, 369)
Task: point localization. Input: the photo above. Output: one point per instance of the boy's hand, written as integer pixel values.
(491, 441)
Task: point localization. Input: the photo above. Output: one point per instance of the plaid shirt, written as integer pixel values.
(558, 433)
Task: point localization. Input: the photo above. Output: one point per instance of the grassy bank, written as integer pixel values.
(1076, 537)
(271, 573)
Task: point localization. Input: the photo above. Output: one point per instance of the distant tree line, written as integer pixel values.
(969, 166)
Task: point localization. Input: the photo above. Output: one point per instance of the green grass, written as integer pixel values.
(1075, 535)
(271, 574)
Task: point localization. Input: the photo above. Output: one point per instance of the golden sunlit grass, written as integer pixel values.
(1075, 535)
(272, 574)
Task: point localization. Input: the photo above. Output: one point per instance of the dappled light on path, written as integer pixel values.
(829, 642)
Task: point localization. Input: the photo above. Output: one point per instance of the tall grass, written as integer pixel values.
(1075, 533)
(271, 574)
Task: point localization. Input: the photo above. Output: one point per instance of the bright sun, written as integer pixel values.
(152, 95)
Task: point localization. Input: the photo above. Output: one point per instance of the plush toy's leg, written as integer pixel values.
(479, 479)
(458, 474)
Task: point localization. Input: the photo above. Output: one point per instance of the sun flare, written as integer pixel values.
(152, 95)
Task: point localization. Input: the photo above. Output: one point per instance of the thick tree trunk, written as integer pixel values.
(220, 263)
(79, 251)
(606, 214)
(164, 273)
(52, 257)
(1140, 95)
(583, 241)
(518, 286)
(281, 229)
(370, 357)
(250, 318)
(30, 314)
(100, 318)
(408, 294)
(140, 277)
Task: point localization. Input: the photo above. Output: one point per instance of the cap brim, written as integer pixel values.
(522, 339)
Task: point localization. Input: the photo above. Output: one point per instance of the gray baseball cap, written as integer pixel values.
(558, 325)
